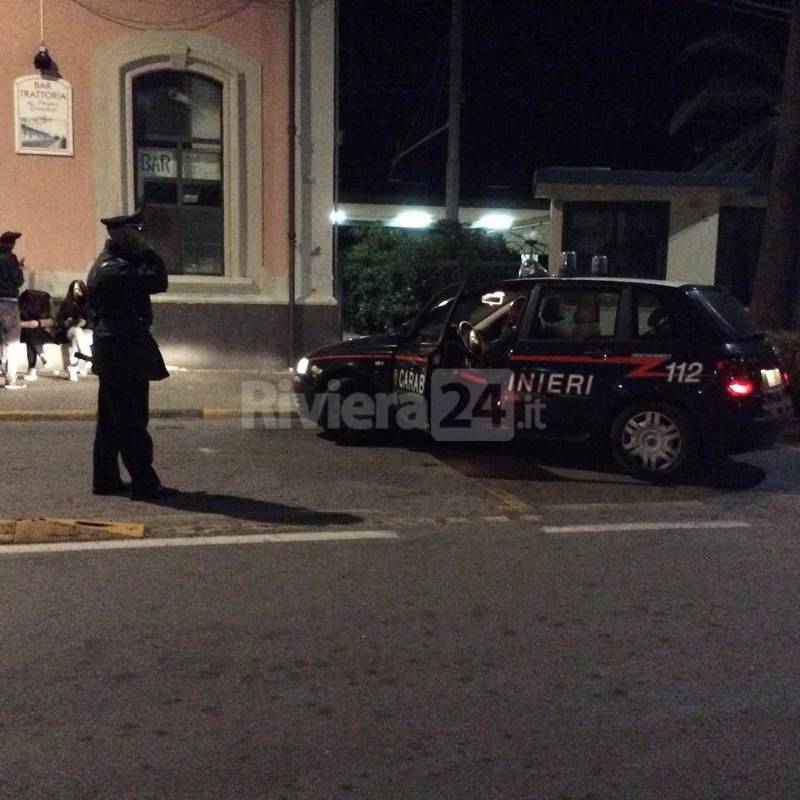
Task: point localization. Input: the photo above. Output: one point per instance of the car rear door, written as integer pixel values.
(563, 363)
(664, 351)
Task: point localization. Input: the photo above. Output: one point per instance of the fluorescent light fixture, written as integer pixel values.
(337, 216)
(411, 219)
(494, 222)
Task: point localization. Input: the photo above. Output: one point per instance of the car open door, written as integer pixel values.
(419, 353)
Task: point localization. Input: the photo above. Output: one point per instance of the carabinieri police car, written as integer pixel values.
(656, 370)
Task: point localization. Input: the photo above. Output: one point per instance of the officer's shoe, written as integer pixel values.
(111, 489)
(154, 493)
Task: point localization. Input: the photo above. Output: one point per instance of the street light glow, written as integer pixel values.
(411, 219)
(337, 216)
(494, 222)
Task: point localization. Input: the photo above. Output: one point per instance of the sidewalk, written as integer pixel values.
(186, 394)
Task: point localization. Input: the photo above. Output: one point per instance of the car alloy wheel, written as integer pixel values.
(651, 440)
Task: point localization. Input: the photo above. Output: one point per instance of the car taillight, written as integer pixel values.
(786, 377)
(740, 387)
(736, 379)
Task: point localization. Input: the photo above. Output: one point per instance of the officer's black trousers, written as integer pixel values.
(122, 417)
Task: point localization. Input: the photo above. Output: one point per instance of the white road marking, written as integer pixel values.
(646, 526)
(608, 505)
(199, 541)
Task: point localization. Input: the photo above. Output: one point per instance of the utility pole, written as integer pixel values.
(454, 112)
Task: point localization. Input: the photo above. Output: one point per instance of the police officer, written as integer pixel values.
(11, 278)
(125, 358)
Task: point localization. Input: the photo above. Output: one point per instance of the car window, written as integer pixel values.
(728, 311)
(652, 319)
(575, 314)
(430, 323)
(491, 311)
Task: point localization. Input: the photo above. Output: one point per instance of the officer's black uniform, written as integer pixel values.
(125, 358)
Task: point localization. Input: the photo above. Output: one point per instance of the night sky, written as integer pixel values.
(546, 83)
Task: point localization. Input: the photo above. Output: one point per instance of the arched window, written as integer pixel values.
(177, 142)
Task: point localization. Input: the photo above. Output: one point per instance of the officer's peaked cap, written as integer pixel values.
(9, 237)
(134, 220)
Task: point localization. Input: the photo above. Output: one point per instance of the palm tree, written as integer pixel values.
(766, 144)
(750, 106)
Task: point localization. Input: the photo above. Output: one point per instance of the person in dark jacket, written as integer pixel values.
(36, 321)
(11, 278)
(73, 321)
(125, 358)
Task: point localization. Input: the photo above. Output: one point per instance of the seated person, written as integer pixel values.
(488, 341)
(658, 325)
(586, 319)
(36, 325)
(497, 348)
(72, 326)
(551, 315)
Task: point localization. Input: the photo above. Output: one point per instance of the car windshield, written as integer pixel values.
(729, 311)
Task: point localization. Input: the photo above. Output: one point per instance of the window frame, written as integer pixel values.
(621, 323)
(661, 208)
(229, 132)
(178, 143)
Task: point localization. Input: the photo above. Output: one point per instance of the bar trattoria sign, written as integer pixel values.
(43, 116)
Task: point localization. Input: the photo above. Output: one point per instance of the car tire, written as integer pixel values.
(336, 392)
(652, 441)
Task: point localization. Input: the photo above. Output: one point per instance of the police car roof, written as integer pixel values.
(603, 279)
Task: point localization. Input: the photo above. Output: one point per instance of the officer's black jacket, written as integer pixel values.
(11, 277)
(119, 287)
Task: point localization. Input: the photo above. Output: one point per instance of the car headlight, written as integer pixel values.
(302, 366)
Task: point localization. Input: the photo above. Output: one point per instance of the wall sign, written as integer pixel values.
(157, 163)
(43, 116)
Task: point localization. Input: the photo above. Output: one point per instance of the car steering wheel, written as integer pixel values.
(471, 340)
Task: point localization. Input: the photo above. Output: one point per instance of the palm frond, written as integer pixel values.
(757, 49)
(722, 95)
(751, 151)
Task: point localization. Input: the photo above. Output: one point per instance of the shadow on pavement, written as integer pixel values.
(537, 462)
(728, 475)
(253, 510)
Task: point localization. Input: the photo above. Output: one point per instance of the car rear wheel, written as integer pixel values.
(651, 441)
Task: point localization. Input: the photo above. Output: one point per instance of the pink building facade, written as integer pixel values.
(198, 112)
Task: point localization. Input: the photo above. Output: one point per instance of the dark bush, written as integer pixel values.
(389, 273)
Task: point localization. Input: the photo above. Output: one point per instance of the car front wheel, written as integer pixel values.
(651, 441)
(335, 416)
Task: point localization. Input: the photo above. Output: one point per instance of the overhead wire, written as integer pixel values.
(194, 21)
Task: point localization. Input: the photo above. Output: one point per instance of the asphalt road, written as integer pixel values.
(520, 626)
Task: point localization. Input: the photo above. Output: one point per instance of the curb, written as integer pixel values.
(155, 413)
(46, 530)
